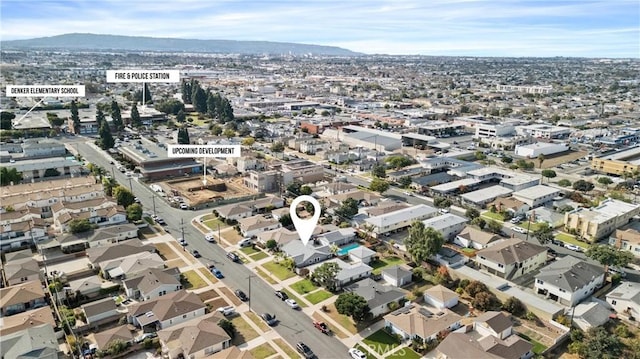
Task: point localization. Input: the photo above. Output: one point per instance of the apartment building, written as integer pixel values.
(400, 219)
(536, 196)
(569, 280)
(596, 223)
(302, 171)
(263, 182)
(618, 163)
(627, 238)
(511, 258)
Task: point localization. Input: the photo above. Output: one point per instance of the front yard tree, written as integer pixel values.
(472, 213)
(379, 185)
(353, 305)
(348, 209)
(609, 256)
(79, 225)
(549, 174)
(583, 186)
(134, 212)
(494, 226)
(228, 327)
(405, 181)
(378, 171)
(325, 275)
(544, 233)
(123, 196)
(423, 242)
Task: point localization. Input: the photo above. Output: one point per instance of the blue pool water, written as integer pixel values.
(344, 250)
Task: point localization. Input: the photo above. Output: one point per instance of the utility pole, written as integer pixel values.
(153, 198)
(130, 186)
(182, 227)
(249, 277)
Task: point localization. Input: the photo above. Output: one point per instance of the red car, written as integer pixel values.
(321, 326)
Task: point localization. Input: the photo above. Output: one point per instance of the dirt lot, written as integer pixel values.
(181, 188)
(552, 161)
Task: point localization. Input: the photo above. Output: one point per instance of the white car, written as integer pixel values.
(184, 206)
(519, 230)
(292, 303)
(573, 247)
(209, 237)
(357, 354)
(226, 311)
(443, 211)
(247, 242)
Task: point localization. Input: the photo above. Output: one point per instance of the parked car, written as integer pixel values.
(209, 237)
(443, 211)
(216, 272)
(196, 254)
(282, 295)
(292, 303)
(184, 206)
(519, 230)
(142, 337)
(183, 241)
(161, 221)
(617, 270)
(303, 349)
(357, 354)
(515, 220)
(573, 247)
(247, 242)
(226, 311)
(321, 326)
(233, 256)
(269, 319)
(240, 294)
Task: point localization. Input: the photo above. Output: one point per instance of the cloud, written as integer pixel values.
(470, 27)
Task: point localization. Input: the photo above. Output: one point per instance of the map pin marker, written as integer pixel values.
(305, 227)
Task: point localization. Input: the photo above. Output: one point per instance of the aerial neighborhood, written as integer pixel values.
(469, 208)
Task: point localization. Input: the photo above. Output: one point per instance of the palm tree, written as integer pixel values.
(334, 249)
(540, 160)
(368, 230)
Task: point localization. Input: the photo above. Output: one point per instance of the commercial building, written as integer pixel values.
(536, 196)
(540, 148)
(302, 171)
(487, 130)
(153, 163)
(544, 131)
(506, 178)
(593, 224)
(619, 162)
(525, 89)
(483, 196)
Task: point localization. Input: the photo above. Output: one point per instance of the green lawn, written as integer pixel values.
(213, 224)
(249, 250)
(286, 348)
(533, 226)
(294, 297)
(262, 351)
(258, 256)
(265, 276)
(149, 220)
(538, 347)
(365, 351)
(496, 216)
(381, 342)
(318, 296)
(303, 287)
(244, 331)
(344, 321)
(567, 238)
(405, 353)
(279, 271)
(383, 263)
(193, 280)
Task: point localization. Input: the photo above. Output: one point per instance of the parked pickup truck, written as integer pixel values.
(226, 311)
(321, 326)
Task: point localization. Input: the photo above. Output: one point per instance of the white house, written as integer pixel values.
(536, 196)
(251, 226)
(153, 283)
(100, 310)
(625, 300)
(449, 225)
(397, 276)
(306, 255)
(415, 321)
(400, 219)
(440, 297)
(361, 254)
(569, 280)
(378, 296)
(472, 237)
(167, 310)
(511, 258)
(234, 211)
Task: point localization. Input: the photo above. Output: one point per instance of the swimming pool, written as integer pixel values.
(344, 250)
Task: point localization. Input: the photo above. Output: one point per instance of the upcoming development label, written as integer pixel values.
(143, 75)
(203, 151)
(45, 91)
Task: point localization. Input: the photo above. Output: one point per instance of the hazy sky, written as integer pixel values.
(605, 28)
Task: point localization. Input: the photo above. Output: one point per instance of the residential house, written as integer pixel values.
(131, 266)
(379, 297)
(398, 276)
(449, 225)
(101, 311)
(364, 198)
(361, 254)
(625, 300)
(440, 297)
(335, 188)
(88, 286)
(166, 311)
(569, 280)
(536, 196)
(21, 227)
(153, 283)
(20, 267)
(100, 211)
(510, 205)
(117, 250)
(251, 226)
(195, 338)
(472, 237)
(350, 272)
(384, 207)
(415, 321)
(306, 255)
(34, 342)
(29, 319)
(627, 238)
(281, 235)
(511, 258)
(106, 337)
(480, 198)
(590, 314)
(232, 353)
(21, 297)
(338, 237)
(266, 204)
(495, 324)
(400, 219)
(234, 211)
(596, 223)
(70, 242)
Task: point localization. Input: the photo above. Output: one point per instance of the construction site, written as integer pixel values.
(196, 192)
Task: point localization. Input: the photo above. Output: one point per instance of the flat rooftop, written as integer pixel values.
(486, 194)
(625, 155)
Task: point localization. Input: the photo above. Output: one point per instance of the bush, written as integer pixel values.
(514, 306)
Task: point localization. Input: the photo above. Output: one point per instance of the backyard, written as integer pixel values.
(382, 263)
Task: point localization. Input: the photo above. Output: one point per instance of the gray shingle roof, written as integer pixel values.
(570, 273)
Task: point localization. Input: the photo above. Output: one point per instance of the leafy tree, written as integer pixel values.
(123, 196)
(75, 118)
(285, 220)
(229, 133)
(181, 116)
(199, 99)
(353, 305)
(506, 159)
(514, 306)
(398, 162)
(51, 172)
(325, 275)
(541, 159)
(106, 139)
(5, 120)
(347, 209)
(475, 287)
(484, 301)
(608, 255)
(135, 116)
(116, 115)
(441, 202)
(7, 176)
(480, 156)
(277, 147)
(480, 222)
(306, 190)
(294, 188)
(183, 136)
(442, 276)
(54, 120)
(228, 327)
(134, 212)
(249, 141)
(379, 185)
(108, 184)
(378, 171)
(187, 89)
(405, 181)
(79, 225)
(494, 226)
(549, 173)
(472, 213)
(564, 183)
(599, 344)
(544, 233)
(272, 244)
(148, 96)
(216, 130)
(170, 107)
(583, 186)
(423, 242)
(604, 180)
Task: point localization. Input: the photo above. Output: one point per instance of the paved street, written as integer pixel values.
(294, 326)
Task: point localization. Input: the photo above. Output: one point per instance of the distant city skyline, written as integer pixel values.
(539, 28)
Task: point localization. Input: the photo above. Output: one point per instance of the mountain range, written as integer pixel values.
(100, 42)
